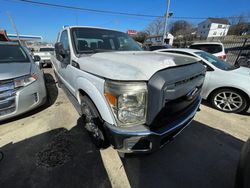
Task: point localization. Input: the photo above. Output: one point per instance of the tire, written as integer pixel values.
(93, 123)
(229, 100)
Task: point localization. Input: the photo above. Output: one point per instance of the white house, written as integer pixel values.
(213, 27)
(157, 39)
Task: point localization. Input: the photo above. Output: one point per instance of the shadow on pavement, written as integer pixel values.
(199, 157)
(58, 158)
(52, 93)
(52, 89)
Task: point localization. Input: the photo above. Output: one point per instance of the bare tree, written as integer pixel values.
(181, 27)
(239, 24)
(140, 36)
(156, 27)
(237, 19)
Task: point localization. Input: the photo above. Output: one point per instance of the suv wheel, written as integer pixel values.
(229, 100)
(93, 123)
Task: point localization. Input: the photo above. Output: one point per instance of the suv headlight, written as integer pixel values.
(128, 101)
(24, 80)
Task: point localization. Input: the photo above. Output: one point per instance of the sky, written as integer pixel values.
(47, 21)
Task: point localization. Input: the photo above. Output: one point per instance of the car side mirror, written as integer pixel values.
(36, 58)
(61, 53)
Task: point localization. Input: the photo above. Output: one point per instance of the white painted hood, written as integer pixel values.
(134, 65)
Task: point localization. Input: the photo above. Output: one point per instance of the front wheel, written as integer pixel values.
(229, 100)
(93, 123)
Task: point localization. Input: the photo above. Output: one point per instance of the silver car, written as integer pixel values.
(22, 86)
(225, 86)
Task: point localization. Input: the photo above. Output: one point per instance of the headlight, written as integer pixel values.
(24, 80)
(128, 101)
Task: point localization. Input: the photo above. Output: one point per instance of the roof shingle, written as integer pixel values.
(219, 20)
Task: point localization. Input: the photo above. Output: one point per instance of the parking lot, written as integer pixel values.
(49, 147)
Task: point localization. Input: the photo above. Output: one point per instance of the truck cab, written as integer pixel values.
(135, 100)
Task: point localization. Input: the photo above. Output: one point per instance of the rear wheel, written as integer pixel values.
(229, 100)
(93, 123)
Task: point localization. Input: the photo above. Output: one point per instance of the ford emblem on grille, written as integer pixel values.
(192, 94)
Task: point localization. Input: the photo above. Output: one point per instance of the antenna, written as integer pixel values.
(14, 26)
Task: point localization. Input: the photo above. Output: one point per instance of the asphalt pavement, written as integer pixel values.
(50, 148)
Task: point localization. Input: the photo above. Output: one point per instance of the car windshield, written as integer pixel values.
(91, 40)
(210, 48)
(215, 61)
(46, 49)
(12, 53)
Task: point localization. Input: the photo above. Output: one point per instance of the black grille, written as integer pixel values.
(173, 93)
(173, 111)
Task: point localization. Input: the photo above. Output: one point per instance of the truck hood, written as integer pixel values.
(14, 70)
(134, 65)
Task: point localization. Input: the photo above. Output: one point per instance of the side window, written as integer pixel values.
(65, 40)
(64, 58)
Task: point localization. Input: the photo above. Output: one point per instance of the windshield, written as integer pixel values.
(91, 40)
(12, 53)
(46, 49)
(210, 48)
(215, 61)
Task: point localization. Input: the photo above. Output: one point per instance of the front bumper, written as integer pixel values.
(141, 139)
(24, 100)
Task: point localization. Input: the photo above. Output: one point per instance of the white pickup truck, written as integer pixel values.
(135, 100)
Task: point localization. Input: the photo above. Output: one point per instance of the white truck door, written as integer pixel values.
(64, 67)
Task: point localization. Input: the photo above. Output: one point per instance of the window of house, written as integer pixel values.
(215, 33)
(219, 26)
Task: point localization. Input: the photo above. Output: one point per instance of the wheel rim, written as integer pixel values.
(90, 123)
(228, 101)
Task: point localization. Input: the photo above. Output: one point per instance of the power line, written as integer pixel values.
(88, 9)
(38, 3)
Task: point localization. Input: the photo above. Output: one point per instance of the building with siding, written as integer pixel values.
(213, 27)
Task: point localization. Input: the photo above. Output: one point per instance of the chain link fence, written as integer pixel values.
(237, 48)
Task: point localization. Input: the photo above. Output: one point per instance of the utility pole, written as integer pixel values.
(14, 26)
(166, 22)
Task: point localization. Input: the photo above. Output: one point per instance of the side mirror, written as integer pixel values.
(61, 53)
(36, 58)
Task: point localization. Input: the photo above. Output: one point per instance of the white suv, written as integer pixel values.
(215, 48)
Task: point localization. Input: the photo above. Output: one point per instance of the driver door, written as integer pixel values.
(64, 64)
